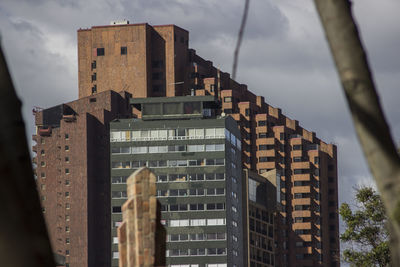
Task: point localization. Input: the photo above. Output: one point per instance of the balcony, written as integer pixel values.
(69, 117)
(301, 189)
(301, 213)
(306, 238)
(34, 148)
(301, 165)
(303, 226)
(296, 153)
(301, 201)
(301, 177)
(266, 153)
(266, 165)
(45, 131)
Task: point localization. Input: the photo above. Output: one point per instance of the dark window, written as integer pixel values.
(92, 100)
(94, 77)
(67, 171)
(227, 99)
(331, 167)
(124, 50)
(316, 160)
(158, 88)
(100, 51)
(262, 123)
(157, 63)
(331, 179)
(296, 147)
(331, 191)
(228, 111)
(94, 89)
(116, 209)
(247, 112)
(262, 135)
(332, 203)
(66, 159)
(66, 136)
(282, 136)
(93, 64)
(157, 76)
(66, 148)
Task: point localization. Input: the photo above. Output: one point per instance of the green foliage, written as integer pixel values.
(366, 236)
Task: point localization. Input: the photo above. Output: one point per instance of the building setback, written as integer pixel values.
(150, 61)
(196, 159)
(73, 165)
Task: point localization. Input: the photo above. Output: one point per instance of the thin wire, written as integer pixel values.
(240, 37)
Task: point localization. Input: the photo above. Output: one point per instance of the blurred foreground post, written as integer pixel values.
(369, 121)
(23, 234)
(141, 235)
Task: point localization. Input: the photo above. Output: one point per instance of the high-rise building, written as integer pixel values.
(259, 195)
(196, 157)
(73, 166)
(150, 61)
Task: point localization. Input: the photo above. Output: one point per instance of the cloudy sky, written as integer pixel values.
(284, 56)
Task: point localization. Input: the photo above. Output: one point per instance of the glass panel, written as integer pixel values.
(200, 133)
(210, 132)
(171, 108)
(152, 109)
(192, 108)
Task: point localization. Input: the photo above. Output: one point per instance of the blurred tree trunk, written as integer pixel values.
(369, 121)
(23, 235)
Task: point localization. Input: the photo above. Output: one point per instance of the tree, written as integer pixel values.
(368, 118)
(366, 233)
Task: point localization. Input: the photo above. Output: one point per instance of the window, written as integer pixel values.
(157, 76)
(67, 218)
(93, 64)
(66, 159)
(67, 229)
(67, 206)
(94, 77)
(42, 152)
(282, 136)
(100, 51)
(262, 123)
(67, 241)
(43, 175)
(67, 182)
(43, 187)
(157, 63)
(316, 160)
(124, 50)
(66, 171)
(43, 198)
(94, 89)
(227, 99)
(115, 255)
(66, 148)
(116, 209)
(247, 112)
(42, 163)
(331, 179)
(66, 194)
(296, 147)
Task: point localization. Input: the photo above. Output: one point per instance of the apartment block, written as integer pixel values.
(156, 61)
(196, 157)
(72, 168)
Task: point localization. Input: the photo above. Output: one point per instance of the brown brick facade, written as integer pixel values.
(73, 175)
